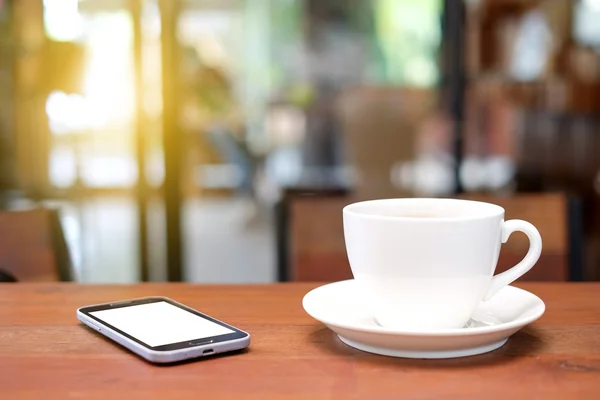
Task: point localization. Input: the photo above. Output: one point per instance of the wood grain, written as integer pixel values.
(46, 354)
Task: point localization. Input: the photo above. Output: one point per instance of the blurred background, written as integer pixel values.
(183, 139)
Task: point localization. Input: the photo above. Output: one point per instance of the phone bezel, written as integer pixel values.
(236, 334)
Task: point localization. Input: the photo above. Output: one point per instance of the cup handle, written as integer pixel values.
(533, 254)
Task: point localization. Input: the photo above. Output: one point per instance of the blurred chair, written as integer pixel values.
(316, 250)
(549, 213)
(380, 128)
(33, 247)
(283, 226)
(6, 277)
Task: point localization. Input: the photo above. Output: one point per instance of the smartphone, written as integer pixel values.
(161, 330)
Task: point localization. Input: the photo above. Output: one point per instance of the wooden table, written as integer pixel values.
(46, 354)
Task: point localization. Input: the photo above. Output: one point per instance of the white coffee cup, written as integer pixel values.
(426, 264)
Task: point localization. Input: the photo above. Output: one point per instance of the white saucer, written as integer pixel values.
(337, 306)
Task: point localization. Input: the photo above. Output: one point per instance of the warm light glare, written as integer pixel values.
(69, 113)
(63, 166)
(108, 92)
(108, 82)
(105, 106)
(62, 20)
(109, 170)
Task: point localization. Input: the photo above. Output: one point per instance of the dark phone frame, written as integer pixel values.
(236, 334)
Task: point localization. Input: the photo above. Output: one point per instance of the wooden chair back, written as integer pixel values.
(548, 213)
(316, 248)
(33, 247)
(317, 251)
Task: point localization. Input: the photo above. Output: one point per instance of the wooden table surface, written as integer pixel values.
(45, 353)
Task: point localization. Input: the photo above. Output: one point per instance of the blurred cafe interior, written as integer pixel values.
(217, 141)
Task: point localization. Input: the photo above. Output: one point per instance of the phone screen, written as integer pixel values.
(160, 323)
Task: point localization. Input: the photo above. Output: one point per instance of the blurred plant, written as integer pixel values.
(213, 91)
(409, 34)
(301, 95)
(207, 92)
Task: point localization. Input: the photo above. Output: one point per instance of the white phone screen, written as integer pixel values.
(160, 323)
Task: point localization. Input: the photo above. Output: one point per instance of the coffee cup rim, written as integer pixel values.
(495, 210)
